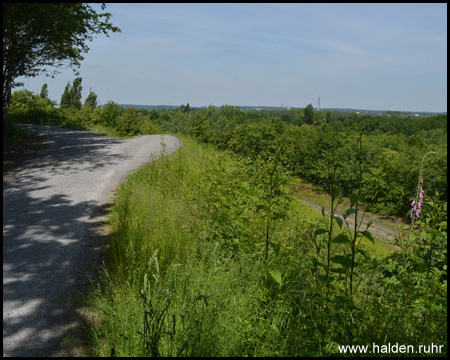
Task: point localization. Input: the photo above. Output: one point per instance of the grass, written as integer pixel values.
(155, 213)
(187, 275)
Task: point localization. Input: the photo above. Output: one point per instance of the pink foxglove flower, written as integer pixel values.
(415, 212)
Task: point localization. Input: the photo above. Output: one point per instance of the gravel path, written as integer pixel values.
(49, 209)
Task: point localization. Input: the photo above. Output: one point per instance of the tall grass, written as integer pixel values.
(209, 256)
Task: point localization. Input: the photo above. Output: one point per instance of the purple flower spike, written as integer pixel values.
(415, 212)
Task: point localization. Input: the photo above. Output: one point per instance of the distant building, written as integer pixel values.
(288, 108)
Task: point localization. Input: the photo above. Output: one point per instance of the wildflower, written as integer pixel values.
(415, 212)
(417, 207)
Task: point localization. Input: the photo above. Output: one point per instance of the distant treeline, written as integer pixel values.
(301, 140)
(376, 113)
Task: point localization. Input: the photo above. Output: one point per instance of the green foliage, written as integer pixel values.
(254, 140)
(44, 91)
(27, 107)
(210, 256)
(37, 37)
(65, 97)
(413, 284)
(309, 114)
(175, 121)
(127, 122)
(187, 272)
(111, 112)
(71, 98)
(49, 35)
(91, 100)
(149, 127)
(392, 160)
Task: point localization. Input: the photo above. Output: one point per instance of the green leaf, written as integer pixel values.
(338, 220)
(353, 199)
(349, 212)
(334, 194)
(342, 260)
(368, 235)
(341, 239)
(276, 274)
(320, 231)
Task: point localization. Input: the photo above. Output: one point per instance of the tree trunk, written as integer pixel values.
(6, 105)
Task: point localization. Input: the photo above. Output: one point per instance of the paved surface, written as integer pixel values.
(48, 209)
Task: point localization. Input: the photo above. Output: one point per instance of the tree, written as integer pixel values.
(38, 36)
(127, 122)
(110, 114)
(44, 91)
(309, 114)
(65, 97)
(71, 98)
(91, 100)
(75, 93)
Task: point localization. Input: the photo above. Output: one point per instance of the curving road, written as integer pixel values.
(49, 209)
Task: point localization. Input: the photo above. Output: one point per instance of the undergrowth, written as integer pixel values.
(210, 256)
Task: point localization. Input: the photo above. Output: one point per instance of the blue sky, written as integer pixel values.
(365, 56)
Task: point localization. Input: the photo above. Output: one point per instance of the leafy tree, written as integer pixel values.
(110, 114)
(30, 108)
(71, 98)
(127, 122)
(37, 36)
(328, 116)
(309, 114)
(175, 121)
(91, 100)
(65, 97)
(75, 93)
(44, 91)
(319, 118)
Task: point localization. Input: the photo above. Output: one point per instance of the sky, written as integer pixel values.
(360, 56)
